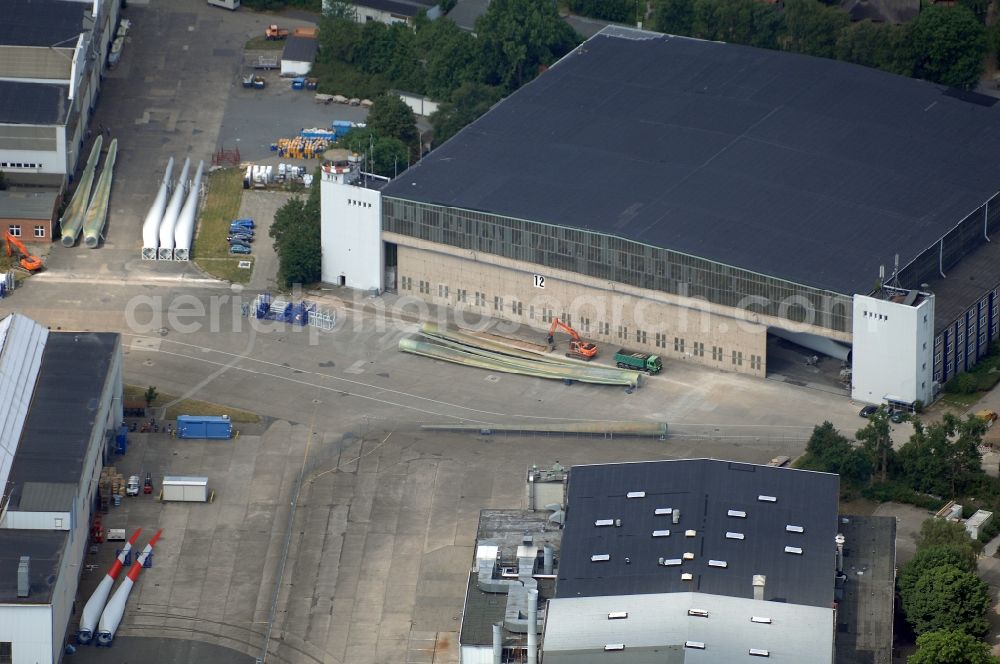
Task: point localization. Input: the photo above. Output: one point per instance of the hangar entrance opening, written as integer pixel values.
(790, 361)
(390, 253)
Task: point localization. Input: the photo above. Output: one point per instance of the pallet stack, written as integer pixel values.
(111, 484)
(301, 148)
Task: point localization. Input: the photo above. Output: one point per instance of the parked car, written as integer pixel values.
(898, 416)
(239, 237)
(239, 249)
(868, 411)
(245, 223)
(132, 486)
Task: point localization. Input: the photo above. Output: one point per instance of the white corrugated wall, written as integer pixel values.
(21, 344)
(29, 628)
(476, 655)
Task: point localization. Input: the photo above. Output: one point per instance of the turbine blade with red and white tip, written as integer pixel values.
(115, 610)
(95, 605)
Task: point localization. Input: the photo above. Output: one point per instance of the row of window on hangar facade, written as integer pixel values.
(616, 259)
(546, 315)
(876, 315)
(15, 230)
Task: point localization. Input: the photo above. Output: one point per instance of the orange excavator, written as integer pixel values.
(579, 348)
(28, 261)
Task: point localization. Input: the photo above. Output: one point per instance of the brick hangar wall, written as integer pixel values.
(612, 314)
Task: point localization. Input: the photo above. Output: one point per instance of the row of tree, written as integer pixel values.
(943, 44)
(941, 458)
(944, 602)
(514, 40)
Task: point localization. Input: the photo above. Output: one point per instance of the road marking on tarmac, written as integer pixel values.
(356, 368)
(146, 343)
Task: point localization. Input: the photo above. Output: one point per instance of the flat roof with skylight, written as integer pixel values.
(700, 525)
(667, 627)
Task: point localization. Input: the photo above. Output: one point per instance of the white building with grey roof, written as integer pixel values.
(52, 57)
(61, 395)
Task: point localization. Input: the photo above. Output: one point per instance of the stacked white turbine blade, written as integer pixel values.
(184, 232)
(169, 223)
(151, 226)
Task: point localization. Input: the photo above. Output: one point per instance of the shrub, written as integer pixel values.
(885, 491)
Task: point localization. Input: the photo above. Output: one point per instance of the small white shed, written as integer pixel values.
(298, 56)
(185, 488)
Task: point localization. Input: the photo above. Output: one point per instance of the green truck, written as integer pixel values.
(629, 359)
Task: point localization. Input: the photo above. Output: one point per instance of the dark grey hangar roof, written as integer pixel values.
(64, 409)
(33, 103)
(42, 22)
(736, 520)
(797, 167)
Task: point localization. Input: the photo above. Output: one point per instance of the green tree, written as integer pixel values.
(300, 260)
(876, 440)
(945, 597)
(296, 235)
(950, 44)
(813, 28)
(390, 157)
(979, 8)
(943, 457)
(390, 117)
(338, 38)
(962, 556)
(674, 17)
(467, 103)
(831, 452)
(288, 219)
(622, 11)
(880, 45)
(737, 21)
(517, 37)
(390, 52)
(938, 532)
(450, 55)
(150, 395)
(340, 9)
(946, 646)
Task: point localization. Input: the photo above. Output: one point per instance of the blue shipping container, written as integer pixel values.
(204, 426)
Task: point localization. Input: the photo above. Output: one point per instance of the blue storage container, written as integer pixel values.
(121, 440)
(204, 426)
(298, 83)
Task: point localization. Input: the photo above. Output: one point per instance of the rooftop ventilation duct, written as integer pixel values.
(532, 626)
(497, 643)
(759, 580)
(23, 568)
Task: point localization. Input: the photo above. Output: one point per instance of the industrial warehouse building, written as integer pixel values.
(695, 560)
(52, 56)
(62, 395)
(696, 199)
